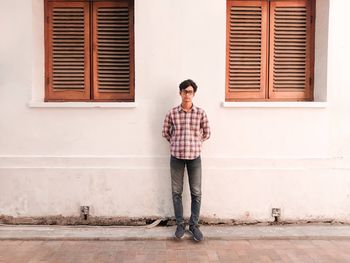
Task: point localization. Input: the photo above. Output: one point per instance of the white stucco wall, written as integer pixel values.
(294, 156)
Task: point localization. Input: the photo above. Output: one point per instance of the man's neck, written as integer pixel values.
(187, 106)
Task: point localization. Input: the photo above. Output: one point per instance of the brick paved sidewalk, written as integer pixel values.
(255, 251)
(59, 244)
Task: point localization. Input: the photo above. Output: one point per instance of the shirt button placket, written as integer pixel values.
(188, 120)
(185, 113)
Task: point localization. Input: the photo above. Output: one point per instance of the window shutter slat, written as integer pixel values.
(290, 50)
(246, 50)
(67, 51)
(113, 51)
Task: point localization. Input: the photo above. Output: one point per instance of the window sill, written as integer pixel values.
(294, 104)
(41, 104)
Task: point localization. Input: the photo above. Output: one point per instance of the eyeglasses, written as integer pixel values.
(189, 92)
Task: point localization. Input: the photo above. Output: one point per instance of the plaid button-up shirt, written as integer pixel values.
(186, 131)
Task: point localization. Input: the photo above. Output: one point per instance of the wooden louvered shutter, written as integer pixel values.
(246, 76)
(291, 50)
(113, 54)
(67, 51)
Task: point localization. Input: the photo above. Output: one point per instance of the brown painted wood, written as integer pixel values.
(74, 71)
(246, 50)
(67, 51)
(288, 69)
(291, 49)
(113, 54)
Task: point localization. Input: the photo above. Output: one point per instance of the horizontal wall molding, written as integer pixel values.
(162, 162)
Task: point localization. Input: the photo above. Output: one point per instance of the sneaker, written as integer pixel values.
(180, 231)
(196, 233)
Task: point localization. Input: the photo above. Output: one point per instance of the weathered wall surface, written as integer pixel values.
(295, 156)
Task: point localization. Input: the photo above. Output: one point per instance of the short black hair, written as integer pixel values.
(186, 83)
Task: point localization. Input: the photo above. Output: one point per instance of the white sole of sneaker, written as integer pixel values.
(195, 239)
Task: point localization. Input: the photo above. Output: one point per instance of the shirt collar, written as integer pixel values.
(194, 108)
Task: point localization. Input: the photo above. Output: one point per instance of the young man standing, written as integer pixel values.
(185, 128)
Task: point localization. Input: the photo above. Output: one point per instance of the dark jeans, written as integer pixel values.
(194, 170)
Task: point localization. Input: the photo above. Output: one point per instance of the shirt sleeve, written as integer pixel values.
(167, 127)
(204, 124)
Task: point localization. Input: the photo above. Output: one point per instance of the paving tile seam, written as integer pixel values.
(345, 238)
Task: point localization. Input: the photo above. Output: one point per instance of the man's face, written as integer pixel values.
(187, 94)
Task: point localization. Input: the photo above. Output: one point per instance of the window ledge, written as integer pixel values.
(269, 104)
(42, 104)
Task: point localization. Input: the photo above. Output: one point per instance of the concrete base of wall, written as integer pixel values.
(234, 189)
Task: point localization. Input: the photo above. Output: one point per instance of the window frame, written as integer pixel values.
(265, 90)
(91, 93)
